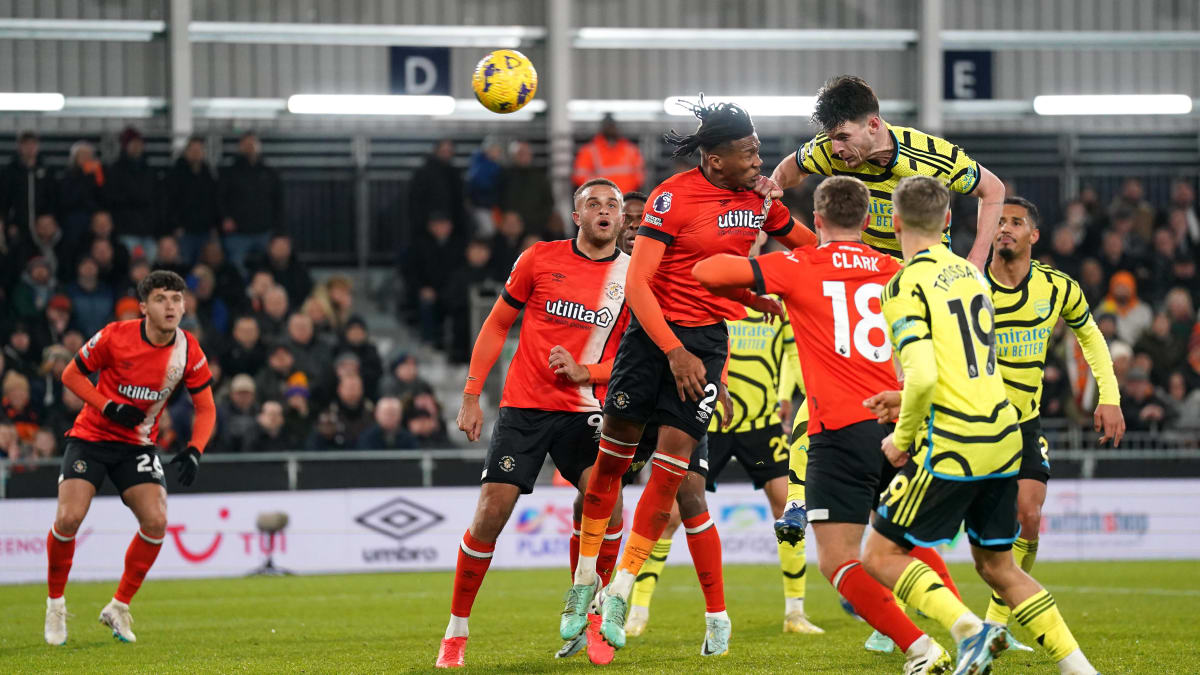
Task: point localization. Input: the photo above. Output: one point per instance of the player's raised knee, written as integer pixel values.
(154, 526)
(68, 521)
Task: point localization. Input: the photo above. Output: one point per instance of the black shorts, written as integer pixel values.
(1035, 454)
(649, 443)
(522, 438)
(920, 509)
(125, 464)
(763, 453)
(642, 387)
(846, 472)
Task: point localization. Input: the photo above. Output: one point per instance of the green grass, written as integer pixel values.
(1129, 618)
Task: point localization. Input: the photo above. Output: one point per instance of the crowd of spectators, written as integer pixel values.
(294, 367)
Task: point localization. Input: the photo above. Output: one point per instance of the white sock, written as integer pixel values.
(60, 601)
(622, 583)
(793, 605)
(717, 615)
(1076, 663)
(457, 627)
(965, 626)
(585, 570)
(920, 646)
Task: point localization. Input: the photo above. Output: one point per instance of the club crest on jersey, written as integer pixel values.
(662, 203)
(578, 312)
(507, 463)
(766, 204)
(138, 393)
(620, 400)
(614, 290)
(174, 372)
(741, 218)
(1042, 307)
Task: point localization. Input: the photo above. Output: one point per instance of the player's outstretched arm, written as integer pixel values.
(990, 192)
(920, 367)
(731, 276)
(487, 349)
(787, 174)
(797, 235)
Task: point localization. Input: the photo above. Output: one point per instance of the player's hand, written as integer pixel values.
(125, 414)
(978, 259)
(768, 306)
(885, 405)
(785, 415)
(726, 404)
(766, 186)
(564, 365)
(896, 456)
(689, 374)
(189, 465)
(470, 417)
(1111, 422)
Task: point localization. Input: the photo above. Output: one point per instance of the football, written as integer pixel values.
(505, 81)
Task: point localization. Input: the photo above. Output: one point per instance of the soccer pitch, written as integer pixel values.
(1128, 617)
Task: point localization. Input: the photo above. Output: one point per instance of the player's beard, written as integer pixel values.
(1008, 254)
(599, 238)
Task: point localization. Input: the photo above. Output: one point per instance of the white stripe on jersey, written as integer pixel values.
(593, 351)
(172, 376)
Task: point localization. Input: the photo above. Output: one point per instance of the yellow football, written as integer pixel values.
(505, 81)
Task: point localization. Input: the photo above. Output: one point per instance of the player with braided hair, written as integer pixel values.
(669, 363)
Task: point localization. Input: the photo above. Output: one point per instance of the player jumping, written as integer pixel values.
(958, 443)
(670, 359)
(573, 293)
(841, 342)
(855, 141)
(140, 363)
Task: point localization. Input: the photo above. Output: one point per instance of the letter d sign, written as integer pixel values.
(419, 70)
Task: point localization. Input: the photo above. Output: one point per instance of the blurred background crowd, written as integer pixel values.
(295, 364)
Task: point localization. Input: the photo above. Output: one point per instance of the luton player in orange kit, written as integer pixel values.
(668, 366)
(573, 296)
(833, 292)
(139, 363)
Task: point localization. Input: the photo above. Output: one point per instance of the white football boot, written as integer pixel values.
(56, 621)
(116, 616)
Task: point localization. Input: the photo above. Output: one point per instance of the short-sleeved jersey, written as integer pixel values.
(971, 430)
(756, 355)
(1025, 319)
(133, 370)
(569, 300)
(832, 293)
(916, 154)
(697, 219)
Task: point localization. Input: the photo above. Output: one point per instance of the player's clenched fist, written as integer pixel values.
(564, 365)
(470, 417)
(885, 405)
(895, 455)
(689, 374)
(125, 414)
(767, 305)
(767, 187)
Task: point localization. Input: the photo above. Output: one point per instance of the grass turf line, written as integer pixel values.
(393, 622)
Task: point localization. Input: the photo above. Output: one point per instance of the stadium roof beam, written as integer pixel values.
(258, 32)
(1069, 39)
(109, 30)
(739, 38)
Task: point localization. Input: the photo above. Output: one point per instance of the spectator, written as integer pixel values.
(341, 301)
(19, 352)
(126, 309)
(272, 381)
(404, 381)
(57, 323)
(17, 405)
(237, 416)
(91, 299)
(230, 284)
(24, 180)
(287, 270)
(48, 243)
(246, 353)
(211, 310)
(193, 207)
(1185, 404)
(1168, 350)
(1133, 316)
(1182, 217)
(370, 366)
(424, 428)
(328, 433)
(1076, 225)
(436, 189)
(272, 319)
(1114, 255)
(260, 282)
(507, 245)
(72, 340)
(80, 190)
(434, 256)
(10, 442)
(35, 289)
(44, 445)
(1091, 281)
(1131, 200)
(526, 192)
(109, 271)
(169, 257)
(132, 193)
(319, 310)
(610, 156)
(251, 202)
(483, 184)
(1155, 277)
(1143, 408)
(1191, 365)
(138, 269)
(345, 364)
(1063, 247)
(60, 418)
(312, 356)
(354, 411)
(47, 390)
(478, 272)
(296, 408)
(271, 433)
(102, 230)
(386, 433)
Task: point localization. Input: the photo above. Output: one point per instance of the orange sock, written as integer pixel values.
(607, 561)
(138, 558)
(60, 551)
(603, 488)
(474, 558)
(653, 509)
(705, 546)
